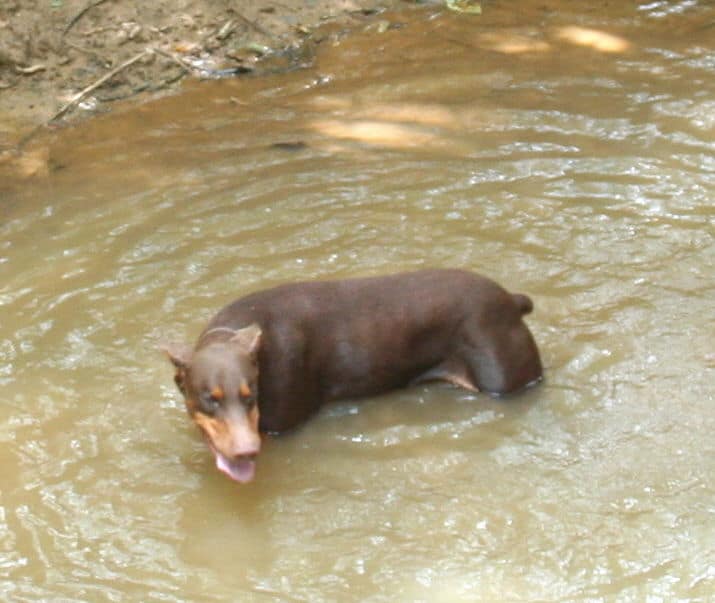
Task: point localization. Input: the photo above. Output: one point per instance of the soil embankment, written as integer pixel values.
(65, 59)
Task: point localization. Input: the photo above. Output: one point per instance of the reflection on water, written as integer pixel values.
(568, 155)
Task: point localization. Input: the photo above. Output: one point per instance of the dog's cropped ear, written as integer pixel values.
(248, 339)
(179, 354)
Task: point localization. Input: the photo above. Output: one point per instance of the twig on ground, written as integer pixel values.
(31, 70)
(80, 95)
(226, 30)
(254, 25)
(176, 58)
(81, 14)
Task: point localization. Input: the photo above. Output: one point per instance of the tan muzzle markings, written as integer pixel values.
(235, 434)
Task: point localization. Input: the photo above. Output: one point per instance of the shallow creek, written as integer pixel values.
(567, 152)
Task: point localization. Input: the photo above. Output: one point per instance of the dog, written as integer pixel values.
(268, 361)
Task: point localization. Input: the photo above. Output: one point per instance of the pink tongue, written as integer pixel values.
(241, 469)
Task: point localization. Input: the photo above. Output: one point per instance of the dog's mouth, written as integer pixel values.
(241, 469)
(222, 436)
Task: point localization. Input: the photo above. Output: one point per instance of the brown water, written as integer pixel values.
(567, 164)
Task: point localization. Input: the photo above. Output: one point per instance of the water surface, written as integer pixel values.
(565, 151)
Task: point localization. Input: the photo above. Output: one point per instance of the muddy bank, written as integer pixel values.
(52, 52)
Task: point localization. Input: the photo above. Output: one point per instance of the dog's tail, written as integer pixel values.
(523, 302)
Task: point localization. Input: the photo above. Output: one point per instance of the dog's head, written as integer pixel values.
(219, 381)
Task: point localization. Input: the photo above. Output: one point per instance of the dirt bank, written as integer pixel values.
(55, 51)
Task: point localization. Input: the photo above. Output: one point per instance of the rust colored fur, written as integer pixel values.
(268, 361)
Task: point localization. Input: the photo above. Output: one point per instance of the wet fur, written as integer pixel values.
(300, 345)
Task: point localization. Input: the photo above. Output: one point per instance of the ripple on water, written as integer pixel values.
(584, 181)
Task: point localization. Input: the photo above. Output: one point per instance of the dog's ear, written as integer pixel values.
(179, 354)
(248, 339)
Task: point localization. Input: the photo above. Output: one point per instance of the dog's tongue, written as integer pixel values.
(240, 469)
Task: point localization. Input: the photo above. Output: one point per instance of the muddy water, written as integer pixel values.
(568, 155)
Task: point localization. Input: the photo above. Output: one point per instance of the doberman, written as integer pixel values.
(268, 361)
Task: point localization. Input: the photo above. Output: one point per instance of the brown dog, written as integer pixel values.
(268, 361)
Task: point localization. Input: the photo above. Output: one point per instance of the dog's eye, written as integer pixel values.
(248, 404)
(245, 391)
(210, 402)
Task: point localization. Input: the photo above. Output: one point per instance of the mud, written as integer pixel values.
(52, 52)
